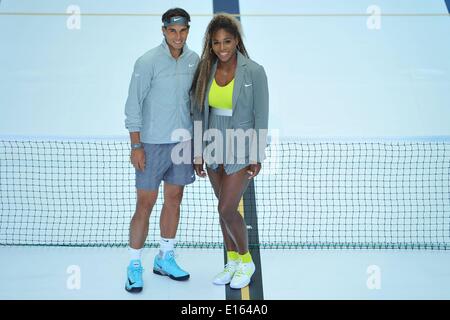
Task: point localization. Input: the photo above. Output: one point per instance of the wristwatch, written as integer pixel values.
(136, 146)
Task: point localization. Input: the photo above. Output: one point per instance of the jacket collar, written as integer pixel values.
(238, 77)
(166, 49)
(241, 61)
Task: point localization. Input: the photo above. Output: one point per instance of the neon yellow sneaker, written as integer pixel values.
(226, 275)
(243, 275)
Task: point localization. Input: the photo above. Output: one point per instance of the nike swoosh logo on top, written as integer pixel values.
(248, 85)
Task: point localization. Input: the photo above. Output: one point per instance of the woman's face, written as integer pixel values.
(224, 45)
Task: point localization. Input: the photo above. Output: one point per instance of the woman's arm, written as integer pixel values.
(261, 110)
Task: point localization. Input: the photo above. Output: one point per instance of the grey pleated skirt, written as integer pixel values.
(228, 156)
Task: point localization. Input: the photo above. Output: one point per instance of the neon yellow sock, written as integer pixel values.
(246, 257)
(232, 255)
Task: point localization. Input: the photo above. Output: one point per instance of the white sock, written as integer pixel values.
(135, 254)
(165, 245)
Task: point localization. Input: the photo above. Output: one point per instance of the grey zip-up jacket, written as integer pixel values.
(158, 97)
(250, 107)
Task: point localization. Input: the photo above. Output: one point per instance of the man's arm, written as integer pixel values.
(137, 156)
(138, 90)
(135, 137)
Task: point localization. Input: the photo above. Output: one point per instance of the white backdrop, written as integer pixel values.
(328, 75)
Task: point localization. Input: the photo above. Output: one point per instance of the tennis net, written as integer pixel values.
(310, 194)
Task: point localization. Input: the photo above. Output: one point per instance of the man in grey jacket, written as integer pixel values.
(158, 105)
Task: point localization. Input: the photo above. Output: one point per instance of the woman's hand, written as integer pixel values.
(138, 158)
(198, 167)
(253, 170)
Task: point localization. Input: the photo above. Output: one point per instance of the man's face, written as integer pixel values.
(176, 36)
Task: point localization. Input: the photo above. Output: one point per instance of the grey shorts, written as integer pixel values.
(159, 166)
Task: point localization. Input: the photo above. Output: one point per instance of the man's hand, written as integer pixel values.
(253, 170)
(138, 158)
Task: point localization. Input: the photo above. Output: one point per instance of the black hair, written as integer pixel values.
(175, 12)
(231, 25)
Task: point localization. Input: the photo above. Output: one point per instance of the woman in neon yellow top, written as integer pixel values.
(230, 92)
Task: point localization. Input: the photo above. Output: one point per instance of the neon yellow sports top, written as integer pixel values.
(221, 97)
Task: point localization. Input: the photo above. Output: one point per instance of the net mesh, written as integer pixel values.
(385, 194)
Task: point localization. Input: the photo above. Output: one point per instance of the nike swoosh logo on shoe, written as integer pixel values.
(130, 282)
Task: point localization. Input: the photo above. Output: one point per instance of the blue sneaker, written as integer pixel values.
(167, 266)
(134, 282)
